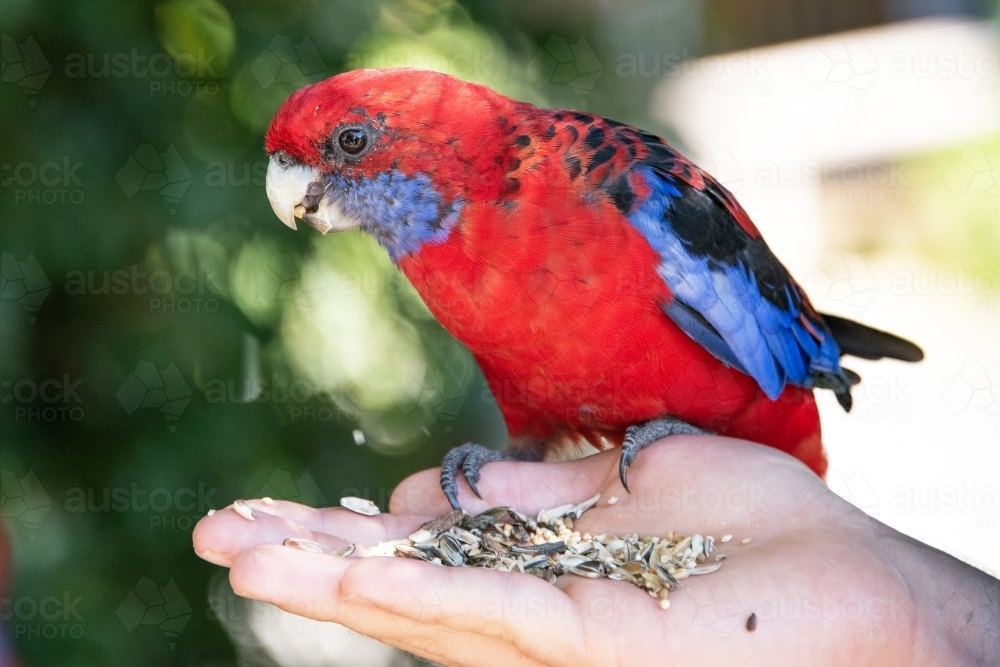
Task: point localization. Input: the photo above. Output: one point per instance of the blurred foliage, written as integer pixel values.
(956, 206)
(943, 206)
(169, 346)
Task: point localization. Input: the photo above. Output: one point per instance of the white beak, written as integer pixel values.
(298, 191)
(286, 188)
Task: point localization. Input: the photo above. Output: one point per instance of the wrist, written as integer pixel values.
(957, 607)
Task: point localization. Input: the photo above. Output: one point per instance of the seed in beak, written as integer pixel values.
(299, 211)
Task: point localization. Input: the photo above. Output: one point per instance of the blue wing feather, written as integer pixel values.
(730, 293)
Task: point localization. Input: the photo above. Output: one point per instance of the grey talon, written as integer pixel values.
(469, 458)
(640, 436)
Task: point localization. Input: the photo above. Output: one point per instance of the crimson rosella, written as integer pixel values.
(611, 291)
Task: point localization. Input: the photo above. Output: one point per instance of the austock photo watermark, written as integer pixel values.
(167, 291)
(859, 182)
(980, 286)
(55, 181)
(738, 75)
(23, 500)
(24, 64)
(974, 391)
(977, 506)
(23, 281)
(26, 502)
(284, 61)
(305, 401)
(973, 173)
(980, 67)
(850, 612)
(186, 74)
(183, 74)
(879, 398)
(600, 616)
(50, 616)
(167, 509)
(197, 290)
(46, 400)
(59, 182)
(150, 604)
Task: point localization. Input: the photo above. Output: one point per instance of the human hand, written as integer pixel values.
(828, 584)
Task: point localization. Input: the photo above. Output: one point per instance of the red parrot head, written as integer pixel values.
(395, 153)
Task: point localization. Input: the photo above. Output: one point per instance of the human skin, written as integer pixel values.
(829, 585)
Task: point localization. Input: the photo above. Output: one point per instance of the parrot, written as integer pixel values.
(612, 292)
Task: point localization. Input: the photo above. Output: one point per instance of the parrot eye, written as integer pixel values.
(352, 140)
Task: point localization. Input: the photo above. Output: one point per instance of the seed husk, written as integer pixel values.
(304, 545)
(549, 546)
(243, 508)
(359, 505)
(345, 551)
(422, 535)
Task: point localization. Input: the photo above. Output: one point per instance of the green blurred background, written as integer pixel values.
(168, 346)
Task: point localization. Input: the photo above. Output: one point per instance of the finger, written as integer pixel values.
(700, 483)
(220, 537)
(530, 487)
(515, 608)
(224, 535)
(350, 525)
(310, 585)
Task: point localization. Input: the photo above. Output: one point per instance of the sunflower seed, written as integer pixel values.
(449, 549)
(359, 505)
(578, 510)
(422, 535)
(591, 569)
(465, 536)
(704, 569)
(244, 510)
(536, 563)
(411, 552)
(304, 545)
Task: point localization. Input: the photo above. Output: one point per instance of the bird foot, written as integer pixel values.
(469, 459)
(640, 436)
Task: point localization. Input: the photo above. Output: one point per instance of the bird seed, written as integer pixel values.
(359, 505)
(548, 546)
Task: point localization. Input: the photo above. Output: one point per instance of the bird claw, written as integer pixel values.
(469, 459)
(640, 436)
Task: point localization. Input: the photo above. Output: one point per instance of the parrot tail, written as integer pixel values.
(858, 340)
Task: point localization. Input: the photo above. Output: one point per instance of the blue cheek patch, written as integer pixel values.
(401, 212)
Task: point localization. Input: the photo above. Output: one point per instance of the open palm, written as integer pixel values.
(828, 585)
